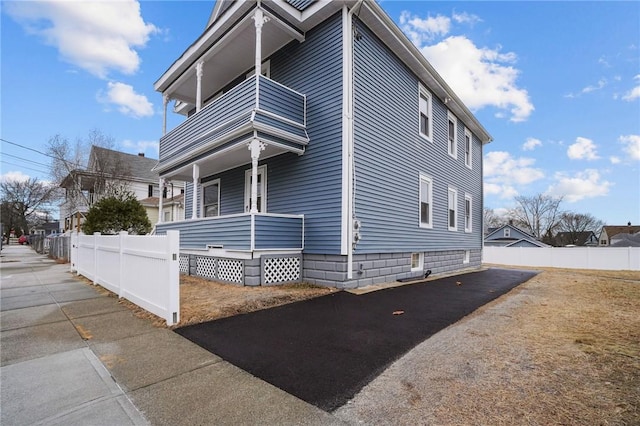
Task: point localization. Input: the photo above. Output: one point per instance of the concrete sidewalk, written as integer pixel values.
(70, 355)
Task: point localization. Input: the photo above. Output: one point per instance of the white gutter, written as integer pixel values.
(347, 137)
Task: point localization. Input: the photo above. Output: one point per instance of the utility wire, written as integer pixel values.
(24, 167)
(42, 153)
(25, 159)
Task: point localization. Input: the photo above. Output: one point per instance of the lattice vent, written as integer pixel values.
(231, 270)
(184, 264)
(281, 269)
(206, 267)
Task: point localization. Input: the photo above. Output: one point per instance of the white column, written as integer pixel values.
(161, 186)
(259, 20)
(255, 147)
(165, 102)
(199, 73)
(196, 178)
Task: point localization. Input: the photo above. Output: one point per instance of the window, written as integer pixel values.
(265, 69)
(467, 212)
(453, 202)
(468, 141)
(467, 256)
(426, 196)
(211, 198)
(507, 233)
(417, 261)
(452, 137)
(150, 191)
(425, 113)
(167, 217)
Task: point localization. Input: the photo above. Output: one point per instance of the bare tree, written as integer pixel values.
(574, 224)
(538, 214)
(24, 202)
(491, 219)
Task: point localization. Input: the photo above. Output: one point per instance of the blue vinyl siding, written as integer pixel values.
(301, 4)
(309, 184)
(285, 103)
(278, 232)
(230, 232)
(390, 155)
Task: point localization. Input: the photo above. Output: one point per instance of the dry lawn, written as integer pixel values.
(561, 349)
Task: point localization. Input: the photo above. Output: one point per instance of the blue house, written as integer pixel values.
(511, 236)
(320, 146)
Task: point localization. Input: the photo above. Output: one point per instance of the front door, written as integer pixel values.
(262, 190)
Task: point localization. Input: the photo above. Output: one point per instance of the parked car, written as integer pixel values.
(23, 239)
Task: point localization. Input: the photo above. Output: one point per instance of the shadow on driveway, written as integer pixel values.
(325, 350)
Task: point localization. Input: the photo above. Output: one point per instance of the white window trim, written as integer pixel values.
(423, 92)
(455, 209)
(467, 256)
(506, 232)
(468, 228)
(425, 178)
(451, 117)
(202, 187)
(468, 161)
(247, 189)
(420, 266)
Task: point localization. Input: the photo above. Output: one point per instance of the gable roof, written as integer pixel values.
(132, 166)
(581, 238)
(619, 229)
(493, 231)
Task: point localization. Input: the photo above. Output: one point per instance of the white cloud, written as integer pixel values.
(632, 94)
(480, 76)
(466, 18)
(531, 144)
(502, 173)
(591, 88)
(631, 145)
(615, 160)
(581, 185)
(14, 176)
(582, 149)
(97, 36)
(127, 100)
(422, 30)
(141, 146)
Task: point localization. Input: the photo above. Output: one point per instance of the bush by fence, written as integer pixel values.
(607, 258)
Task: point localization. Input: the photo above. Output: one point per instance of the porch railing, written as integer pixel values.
(285, 108)
(240, 232)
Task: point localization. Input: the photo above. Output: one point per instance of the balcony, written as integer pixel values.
(244, 232)
(216, 137)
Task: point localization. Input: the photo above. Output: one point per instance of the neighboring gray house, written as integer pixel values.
(511, 236)
(319, 146)
(608, 232)
(583, 238)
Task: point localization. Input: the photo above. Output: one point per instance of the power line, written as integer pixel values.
(25, 159)
(24, 167)
(42, 153)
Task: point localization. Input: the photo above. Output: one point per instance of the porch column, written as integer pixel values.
(196, 178)
(165, 102)
(161, 186)
(199, 73)
(255, 147)
(260, 20)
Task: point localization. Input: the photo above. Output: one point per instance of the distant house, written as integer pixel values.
(108, 169)
(172, 208)
(510, 236)
(608, 232)
(585, 238)
(319, 145)
(625, 240)
(47, 228)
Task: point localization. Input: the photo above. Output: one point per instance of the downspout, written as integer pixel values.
(348, 64)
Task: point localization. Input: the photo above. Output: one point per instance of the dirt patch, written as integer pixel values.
(563, 348)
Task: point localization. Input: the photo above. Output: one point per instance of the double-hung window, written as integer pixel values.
(452, 209)
(425, 113)
(211, 198)
(467, 212)
(452, 137)
(468, 144)
(426, 196)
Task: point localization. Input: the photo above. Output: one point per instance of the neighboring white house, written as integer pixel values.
(107, 169)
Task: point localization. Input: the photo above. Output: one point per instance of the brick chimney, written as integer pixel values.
(141, 154)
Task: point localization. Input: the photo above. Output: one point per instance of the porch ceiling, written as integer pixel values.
(233, 156)
(229, 57)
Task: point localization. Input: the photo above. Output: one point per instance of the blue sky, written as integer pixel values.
(557, 84)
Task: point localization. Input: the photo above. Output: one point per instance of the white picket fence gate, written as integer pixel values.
(607, 258)
(143, 269)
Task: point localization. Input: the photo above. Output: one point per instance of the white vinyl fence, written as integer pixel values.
(143, 269)
(609, 258)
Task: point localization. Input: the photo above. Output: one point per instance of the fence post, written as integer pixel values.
(173, 247)
(95, 257)
(122, 235)
(72, 253)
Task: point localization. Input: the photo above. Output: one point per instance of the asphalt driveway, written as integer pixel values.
(325, 350)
